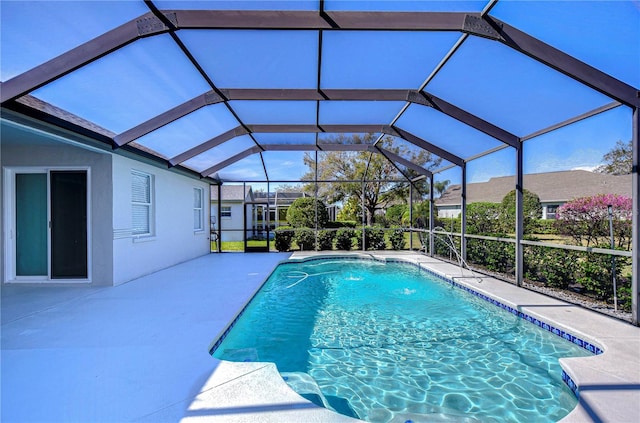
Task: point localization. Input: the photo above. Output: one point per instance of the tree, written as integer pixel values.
(394, 213)
(532, 211)
(484, 218)
(586, 220)
(353, 166)
(420, 214)
(441, 186)
(302, 213)
(619, 160)
(351, 210)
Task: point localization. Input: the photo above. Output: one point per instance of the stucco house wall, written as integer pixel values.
(114, 255)
(174, 239)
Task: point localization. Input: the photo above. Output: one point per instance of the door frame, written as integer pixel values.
(9, 224)
(247, 248)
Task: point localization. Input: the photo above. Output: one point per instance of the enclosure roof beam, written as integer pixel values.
(144, 26)
(564, 63)
(240, 130)
(407, 163)
(312, 147)
(165, 19)
(231, 160)
(425, 145)
(575, 119)
(167, 117)
(213, 142)
(413, 96)
(328, 20)
(463, 116)
(471, 23)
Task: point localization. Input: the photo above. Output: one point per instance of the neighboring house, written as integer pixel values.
(232, 213)
(553, 188)
(279, 203)
(74, 211)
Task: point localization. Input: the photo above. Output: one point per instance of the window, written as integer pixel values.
(141, 203)
(551, 212)
(225, 211)
(198, 209)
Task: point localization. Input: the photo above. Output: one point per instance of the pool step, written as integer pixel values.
(306, 386)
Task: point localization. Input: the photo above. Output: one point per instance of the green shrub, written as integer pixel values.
(483, 218)
(283, 237)
(325, 239)
(337, 224)
(397, 239)
(624, 297)
(302, 213)
(496, 256)
(449, 224)
(532, 211)
(595, 276)
(546, 227)
(442, 246)
(555, 267)
(374, 237)
(305, 238)
(344, 239)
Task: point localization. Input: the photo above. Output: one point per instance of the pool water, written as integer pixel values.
(388, 342)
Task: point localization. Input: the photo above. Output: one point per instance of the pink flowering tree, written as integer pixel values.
(586, 220)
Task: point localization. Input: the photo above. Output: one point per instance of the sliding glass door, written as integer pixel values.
(51, 237)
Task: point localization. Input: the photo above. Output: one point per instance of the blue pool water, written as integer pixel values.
(388, 342)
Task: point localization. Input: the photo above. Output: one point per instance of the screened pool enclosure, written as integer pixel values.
(271, 96)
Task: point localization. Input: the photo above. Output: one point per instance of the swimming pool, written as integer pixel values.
(389, 342)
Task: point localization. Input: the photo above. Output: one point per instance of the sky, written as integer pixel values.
(512, 91)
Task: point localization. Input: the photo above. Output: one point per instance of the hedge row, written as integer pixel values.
(344, 239)
(587, 273)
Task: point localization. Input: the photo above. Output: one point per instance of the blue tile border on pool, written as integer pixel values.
(571, 384)
(541, 324)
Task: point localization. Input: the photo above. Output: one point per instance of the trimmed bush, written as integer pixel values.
(305, 238)
(397, 239)
(325, 239)
(546, 227)
(337, 224)
(283, 237)
(374, 238)
(554, 267)
(496, 256)
(344, 239)
(532, 211)
(595, 274)
(483, 218)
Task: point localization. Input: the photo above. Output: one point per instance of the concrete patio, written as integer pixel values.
(139, 351)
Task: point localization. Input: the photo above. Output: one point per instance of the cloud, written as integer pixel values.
(586, 159)
(587, 168)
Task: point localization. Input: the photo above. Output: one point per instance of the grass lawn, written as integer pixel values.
(239, 245)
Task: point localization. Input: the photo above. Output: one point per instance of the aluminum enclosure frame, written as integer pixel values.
(482, 24)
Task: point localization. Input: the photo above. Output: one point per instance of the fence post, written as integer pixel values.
(519, 250)
(635, 195)
(463, 214)
(431, 217)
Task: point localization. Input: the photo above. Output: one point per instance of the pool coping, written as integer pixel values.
(606, 384)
